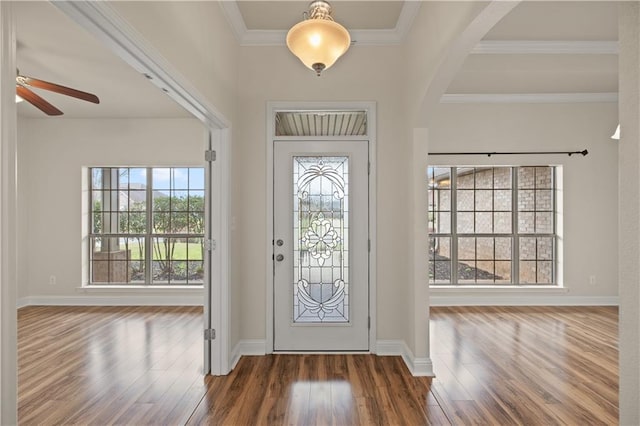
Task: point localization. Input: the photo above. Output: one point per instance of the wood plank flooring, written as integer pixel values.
(526, 365)
(319, 390)
(109, 365)
(142, 365)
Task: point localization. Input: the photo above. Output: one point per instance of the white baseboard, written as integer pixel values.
(22, 302)
(247, 348)
(417, 366)
(112, 300)
(422, 367)
(521, 300)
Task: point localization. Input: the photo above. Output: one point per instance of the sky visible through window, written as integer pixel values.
(147, 225)
(176, 180)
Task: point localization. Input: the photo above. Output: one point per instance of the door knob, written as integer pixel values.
(279, 258)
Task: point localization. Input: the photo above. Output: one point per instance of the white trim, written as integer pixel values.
(553, 47)
(234, 17)
(422, 367)
(113, 300)
(102, 21)
(8, 218)
(494, 299)
(391, 347)
(408, 13)
(370, 107)
(247, 347)
(528, 98)
(220, 299)
(456, 54)
(93, 288)
(417, 366)
(247, 37)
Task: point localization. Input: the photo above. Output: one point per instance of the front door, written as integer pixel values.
(321, 246)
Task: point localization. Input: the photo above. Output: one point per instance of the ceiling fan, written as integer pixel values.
(22, 89)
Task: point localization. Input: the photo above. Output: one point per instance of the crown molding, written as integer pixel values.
(558, 47)
(247, 37)
(528, 98)
(234, 17)
(103, 21)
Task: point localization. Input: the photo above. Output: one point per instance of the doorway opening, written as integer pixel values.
(321, 220)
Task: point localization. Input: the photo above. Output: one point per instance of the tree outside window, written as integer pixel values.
(147, 226)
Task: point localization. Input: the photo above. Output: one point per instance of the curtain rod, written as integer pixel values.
(489, 154)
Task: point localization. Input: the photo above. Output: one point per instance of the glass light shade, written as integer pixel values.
(318, 41)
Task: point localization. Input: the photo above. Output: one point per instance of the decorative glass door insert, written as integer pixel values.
(321, 242)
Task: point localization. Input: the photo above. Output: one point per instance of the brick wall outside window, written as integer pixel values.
(502, 215)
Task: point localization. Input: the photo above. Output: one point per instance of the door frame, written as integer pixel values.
(272, 109)
(103, 22)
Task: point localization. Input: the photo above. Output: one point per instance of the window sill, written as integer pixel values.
(498, 289)
(137, 288)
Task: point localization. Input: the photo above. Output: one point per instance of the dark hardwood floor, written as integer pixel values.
(319, 390)
(142, 365)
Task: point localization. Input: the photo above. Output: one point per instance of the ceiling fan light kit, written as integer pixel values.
(318, 41)
(25, 93)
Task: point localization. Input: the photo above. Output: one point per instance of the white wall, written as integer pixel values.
(363, 74)
(590, 183)
(436, 27)
(51, 155)
(196, 39)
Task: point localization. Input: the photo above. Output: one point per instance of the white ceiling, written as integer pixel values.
(559, 20)
(282, 15)
(53, 48)
(590, 28)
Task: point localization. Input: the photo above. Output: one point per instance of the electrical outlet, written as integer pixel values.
(592, 279)
(52, 280)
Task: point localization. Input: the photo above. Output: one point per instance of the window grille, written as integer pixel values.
(146, 226)
(492, 225)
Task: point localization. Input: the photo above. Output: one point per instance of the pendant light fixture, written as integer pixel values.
(318, 41)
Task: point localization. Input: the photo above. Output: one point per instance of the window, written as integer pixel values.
(492, 225)
(146, 226)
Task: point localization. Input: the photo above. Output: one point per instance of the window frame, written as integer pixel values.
(149, 235)
(515, 235)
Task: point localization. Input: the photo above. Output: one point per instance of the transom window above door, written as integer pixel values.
(321, 123)
(146, 226)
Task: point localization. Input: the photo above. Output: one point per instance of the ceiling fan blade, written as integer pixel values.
(37, 101)
(52, 87)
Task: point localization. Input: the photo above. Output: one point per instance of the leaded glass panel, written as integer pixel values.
(321, 239)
